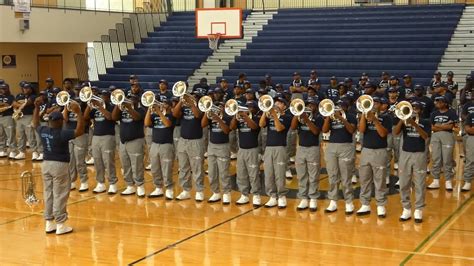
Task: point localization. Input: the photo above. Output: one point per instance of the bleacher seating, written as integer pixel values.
(348, 41)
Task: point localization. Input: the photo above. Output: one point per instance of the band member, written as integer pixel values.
(441, 89)
(340, 156)
(412, 162)
(308, 159)
(77, 149)
(202, 87)
(49, 88)
(297, 87)
(469, 144)
(332, 91)
(373, 159)
(408, 87)
(56, 179)
(7, 125)
(313, 78)
(103, 142)
(436, 81)
(248, 176)
(452, 85)
(43, 120)
(218, 154)
(226, 89)
(393, 138)
(241, 80)
(426, 102)
(24, 103)
(132, 141)
(384, 81)
(275, 158)
(190, 148)
(270, 85)
(443, 121)
(162, 154)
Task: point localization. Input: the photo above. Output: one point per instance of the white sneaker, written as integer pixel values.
(242, 200)
(292, 159)
(449, 185)
(184, 195)
(349, 208)
(99, 188)
(466, 187)
(40, 157)
(12, 155)
(50, 227)
(387, 180)
(418, 216)
(427, 169)
(214, 198)
(158, 192)
(62, 229)
(199, 196)
(406, 215)
(3, 154)
(260, 157)
(84, 187)
(398, 183)
(148, 167)
(233, 155)
(112, 189)
(282, 202)
(332, 207)
(226, 198)
(434, 184)
(303, 205)
(256, 201)
(20, 156)
(205, 154)
(90, 161)
(73, 185)
(141, 191)
(169, 194)
(313, 205)
(363, 210)
(288, 174)
(395, 166)
(272, 202)
(34, 156)
(354, 179)
(130, 190)
(381, 211)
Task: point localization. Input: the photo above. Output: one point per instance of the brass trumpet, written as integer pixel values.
(232, 108)
(297, 108)
(206, 105)
(404, 110)
(86, 95)
(18, 112)
(265, 104)
(117, 97)
(179, 90)
(63, 99)
(365, 104)
(149, 100)
(328, 108)
(28, 188)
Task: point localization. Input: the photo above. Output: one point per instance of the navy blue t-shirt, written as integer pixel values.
(468, 108)
(216, 135)
(190, 126)
(447, 117)
(332, 93)
(164, 96)
(428, 105)
(28, 110)
(339, 134)
(228, 94)
(55, 143)
(275, 138)
(8, 100)
(129, 128)
(470, 120)
(372, 140)
(412, 142)
(160, 133)
(248, 138)
(306, 137)
(102, 126)
(72, 121)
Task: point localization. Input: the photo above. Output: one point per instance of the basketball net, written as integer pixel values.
(213, 40)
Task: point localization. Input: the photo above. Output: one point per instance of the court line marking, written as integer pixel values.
(17, 219)
(462, 230)
(437, 229)
(191, 236)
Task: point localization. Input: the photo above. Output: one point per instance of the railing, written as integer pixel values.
(190, 5)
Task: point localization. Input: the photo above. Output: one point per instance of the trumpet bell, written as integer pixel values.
(205, 104)
(179, 89)
(326, 107)
(297, 107)
(231, 107)
(148, 99)
(365, 103)
(403, 110)
(117, 97)
(63, 98)
(265, 103)
(86, 94)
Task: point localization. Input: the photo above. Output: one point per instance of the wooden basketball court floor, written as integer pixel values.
(117, 230)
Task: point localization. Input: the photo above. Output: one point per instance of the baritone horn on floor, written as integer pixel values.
(297, 108)
(149, 100)
(117, 97)
(86, 95)
(232, 108)
(206, 105)
(28, 188)
(179, 90)
(365, 104)
(403, 110)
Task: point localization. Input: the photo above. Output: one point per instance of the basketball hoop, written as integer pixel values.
(213, 40)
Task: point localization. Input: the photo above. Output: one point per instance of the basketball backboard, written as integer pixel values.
(224, 21)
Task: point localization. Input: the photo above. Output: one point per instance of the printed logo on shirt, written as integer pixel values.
(157, 122)
(98, 116)
(215, 127)
(72, 117)
(126, 117)
(412, 132)
(48, 138)
(271, 124)
(441, 119)
(188, 113)
(243, 127)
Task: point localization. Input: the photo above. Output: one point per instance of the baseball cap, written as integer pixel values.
(251, 104)
(393, 78)
(105, 92)
(281, 99)
(296, 73)
(313, 72)
(347, 80)
(384, 73)
(450, 73)
(311, 99)
(163, 81)
(27, 85)
(419, 87)
(406, 76)
(4, 86)
(383, 100)
(370, 85)
(417, 104)
(441, 98)
(55, 116)
(437, 73)
(133, 77)
(223, 80)
(392, 89)
(333, 78)
(49, 80)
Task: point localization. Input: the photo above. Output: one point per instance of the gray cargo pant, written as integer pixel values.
(469, 166)
(176, 137)
(307, 163)
(39, 143)
(218, 160)
(162, 161)
(56, 187)
(291, 143)
(442, 147)
(89, 141)
(248, 171)
(77, 164)
(131, 157)
(25, 132)
(234, 141)
(7, 134)
(190, 159)
(275, 161)
(373, 164)
(412, 170)
(103, 152)
(340, 160)
(148, 142)
(262, 140)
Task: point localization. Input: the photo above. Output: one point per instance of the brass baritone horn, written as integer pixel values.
(28, 188)
(365, 104)
(86, 95)
(206, 105)
(297, 107)
(63, 99)
(179, 90)
(232, 108)
(149, 100)
(265, 104)
(117, 97)
(403, 110)
(327, 107)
